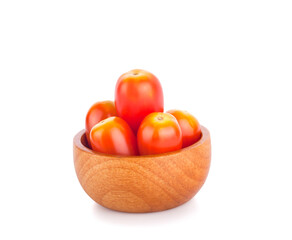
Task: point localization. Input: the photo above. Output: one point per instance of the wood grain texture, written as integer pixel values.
(142, 183)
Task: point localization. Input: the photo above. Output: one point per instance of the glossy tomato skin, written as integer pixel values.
(98, 112)
(190, 127)
(159, 133)
(113, 136)
(137, 94)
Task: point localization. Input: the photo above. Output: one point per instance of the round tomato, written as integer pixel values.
(137, 94)
(190, 127)
(98, 112)
(113, 136)
(159, 133)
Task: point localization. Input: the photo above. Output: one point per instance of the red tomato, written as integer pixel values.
(138, 93)
(159, 133)
(113, 136)
(98, 112)
(190, 127)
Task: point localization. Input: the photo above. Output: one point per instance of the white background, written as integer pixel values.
(227, 62)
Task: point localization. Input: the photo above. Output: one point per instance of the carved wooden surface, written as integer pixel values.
(142, 183)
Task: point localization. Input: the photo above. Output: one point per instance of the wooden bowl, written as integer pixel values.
(142, 183)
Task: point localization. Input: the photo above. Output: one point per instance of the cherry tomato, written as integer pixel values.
(113, 136)
(98, 112)
(137, 94)
(159, 133)
(190, 127)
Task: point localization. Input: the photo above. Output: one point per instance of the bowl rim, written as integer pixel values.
(81, 134)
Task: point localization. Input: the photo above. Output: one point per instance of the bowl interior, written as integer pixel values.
(81, 141)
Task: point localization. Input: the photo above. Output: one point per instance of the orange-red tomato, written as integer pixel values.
(98, 112)
(113, 136)
(159, 133)
(190, 127)
(137, 94)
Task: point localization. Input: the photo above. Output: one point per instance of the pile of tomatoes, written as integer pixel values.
(136, 124)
